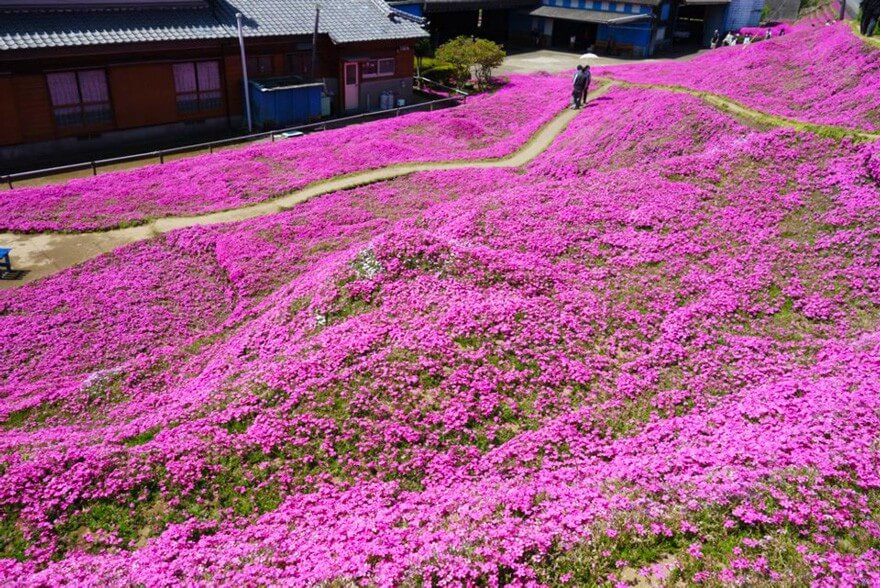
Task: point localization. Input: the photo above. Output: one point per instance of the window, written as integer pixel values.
(379, 67)
(80, 99)
(298, 63)
(197, 86)
(259, 66)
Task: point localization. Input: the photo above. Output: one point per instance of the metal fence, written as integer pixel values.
(452, 98)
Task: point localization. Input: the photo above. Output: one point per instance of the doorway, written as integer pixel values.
(352, 86)
(584, 34)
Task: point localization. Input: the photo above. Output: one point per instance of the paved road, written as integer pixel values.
(554, 61)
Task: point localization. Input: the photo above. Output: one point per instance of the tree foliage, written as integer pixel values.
(471, 58)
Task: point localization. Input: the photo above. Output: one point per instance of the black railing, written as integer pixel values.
(455, 97)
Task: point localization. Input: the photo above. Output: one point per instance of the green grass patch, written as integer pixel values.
(143, 437)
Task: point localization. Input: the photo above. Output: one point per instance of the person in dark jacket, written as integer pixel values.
(588, 77)
(577, 87)
(870, 16)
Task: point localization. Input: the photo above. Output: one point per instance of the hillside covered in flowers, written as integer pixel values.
(650, 355)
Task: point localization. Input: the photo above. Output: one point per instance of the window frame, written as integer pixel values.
(207, 101)
(261, 59)
(81, 122)
(378, 68)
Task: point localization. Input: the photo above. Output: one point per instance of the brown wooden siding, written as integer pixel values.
(34, 108)
(143, 95)
(10, 129)
(141, 80)
(232, 76)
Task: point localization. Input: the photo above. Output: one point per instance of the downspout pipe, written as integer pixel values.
(244, 73)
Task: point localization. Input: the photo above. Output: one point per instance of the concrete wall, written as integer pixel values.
(371, 91)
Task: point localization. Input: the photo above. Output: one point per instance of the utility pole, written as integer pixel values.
(247, 94)
(315, 40)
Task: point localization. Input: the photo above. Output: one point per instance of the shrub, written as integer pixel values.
(471, 57)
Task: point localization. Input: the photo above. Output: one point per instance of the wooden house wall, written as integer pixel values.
(141, 80)
(10, 129)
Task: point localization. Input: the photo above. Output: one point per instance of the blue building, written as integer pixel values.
(635, 28)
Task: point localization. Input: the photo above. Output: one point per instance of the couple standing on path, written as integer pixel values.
(580, 84)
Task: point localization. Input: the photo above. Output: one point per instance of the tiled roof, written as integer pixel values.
(68, 28)
(345, 21)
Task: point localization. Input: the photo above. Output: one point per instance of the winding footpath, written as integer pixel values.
(44, 254)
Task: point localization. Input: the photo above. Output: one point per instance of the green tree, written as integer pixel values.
(487, 56)
(458, 54)
(471, 58)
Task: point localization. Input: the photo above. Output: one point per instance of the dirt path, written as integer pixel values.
(47, 253)
(737, 109)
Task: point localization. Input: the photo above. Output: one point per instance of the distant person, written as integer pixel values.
(747, 40)
(571, 41)
(536, 38)
(578, 83)
(729, 39)
(768, 34)
(870, 14)
(716, 36)
(588, 77)
(781, 32)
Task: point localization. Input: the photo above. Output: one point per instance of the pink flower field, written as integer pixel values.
(487, 126)
(819, 74)
(651, 356)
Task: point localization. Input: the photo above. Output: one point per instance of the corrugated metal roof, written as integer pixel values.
(432, 6)
(345, 21)
(593, 16)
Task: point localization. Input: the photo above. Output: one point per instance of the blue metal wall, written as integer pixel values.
(635, 34)
(414, 9)
(743, 13)
(284, 107)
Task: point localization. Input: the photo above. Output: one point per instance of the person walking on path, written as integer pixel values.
(716, 36)
(588, 77)
(729, 39)
(578, 83)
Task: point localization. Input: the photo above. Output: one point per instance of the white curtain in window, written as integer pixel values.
(62, 88)
(209, 75)
(93, 85)
(184, 78)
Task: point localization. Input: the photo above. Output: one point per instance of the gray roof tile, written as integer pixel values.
(345, 21)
